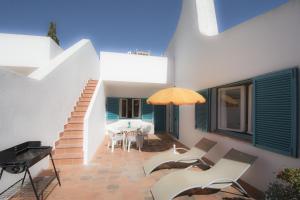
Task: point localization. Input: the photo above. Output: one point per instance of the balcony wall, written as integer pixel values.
(25, 53)
(133, 68)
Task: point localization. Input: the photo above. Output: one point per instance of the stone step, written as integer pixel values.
(76, 120)
(68, 159)
(74, 126)
(70, 133)
(77, 114)
(84, 103)
(91, 85)
(88, 87)
(71, 137)
(85, 99)
(88, 91)
(84, 95)
(80, 108)
(92, 81)
(69, 141)
(68, 149)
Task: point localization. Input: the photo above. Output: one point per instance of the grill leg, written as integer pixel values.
(1, 173)
(24, 177)
(32, 183)
(56, 174)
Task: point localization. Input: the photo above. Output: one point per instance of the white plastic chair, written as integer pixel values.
(145, 132)
(115, 137)
(131, 137)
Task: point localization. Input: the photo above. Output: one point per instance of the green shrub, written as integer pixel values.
(291, 176)
(287, 187)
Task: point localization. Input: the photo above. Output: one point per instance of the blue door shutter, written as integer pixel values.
(275, 112)
(112, 108)
(202, 115)
(147, 111)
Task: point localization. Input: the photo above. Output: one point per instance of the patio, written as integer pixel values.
(119, 175)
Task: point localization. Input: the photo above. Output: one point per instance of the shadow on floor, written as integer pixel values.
(159, 142)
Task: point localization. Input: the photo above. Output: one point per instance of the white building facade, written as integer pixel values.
(40, 83)
(265, 44)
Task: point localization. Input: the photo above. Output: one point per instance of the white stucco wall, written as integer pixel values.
(132, 90)
(267, 43)
(21, 53)
(123, 67)
(54, 49)
(94, 123)
(37, 108)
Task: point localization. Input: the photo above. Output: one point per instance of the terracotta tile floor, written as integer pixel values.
(119, 175)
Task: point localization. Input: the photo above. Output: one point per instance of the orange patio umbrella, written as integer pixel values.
(176, 96)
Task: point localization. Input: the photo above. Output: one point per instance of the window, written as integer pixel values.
(265, 107)
(235, 108)
(130, 108)
(123, 108)
(136, 107)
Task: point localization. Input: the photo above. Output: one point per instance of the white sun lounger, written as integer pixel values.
(190, 156)
(223, 174)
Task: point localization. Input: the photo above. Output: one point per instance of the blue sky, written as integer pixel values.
(116, 25)
(112, 25)
(232, 12)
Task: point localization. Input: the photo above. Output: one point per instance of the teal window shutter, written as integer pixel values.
(112, 108)
(202, 114)
(275, 112)
(147, 111)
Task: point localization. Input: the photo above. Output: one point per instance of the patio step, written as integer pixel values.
(71, 133)
(85, 99)
(70, 137)
(83, 103)
(68, 159)
(86, 95)
(90, 87)
(92, 81)
(69, 148)
(76, 119)
(69, 141)
(78, 114)
(88, 91)
(80, 108)
(74, 126)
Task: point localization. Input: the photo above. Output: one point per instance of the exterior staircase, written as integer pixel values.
(69, 148)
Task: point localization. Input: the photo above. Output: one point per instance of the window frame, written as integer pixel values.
(131, 102)
(234, 134)
(121, 108)
(243, 108)
(250, 102)
(140, 108)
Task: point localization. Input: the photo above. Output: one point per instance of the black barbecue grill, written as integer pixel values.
(21, 157)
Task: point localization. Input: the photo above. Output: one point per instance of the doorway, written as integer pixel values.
(160, 118)
(173, 120)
